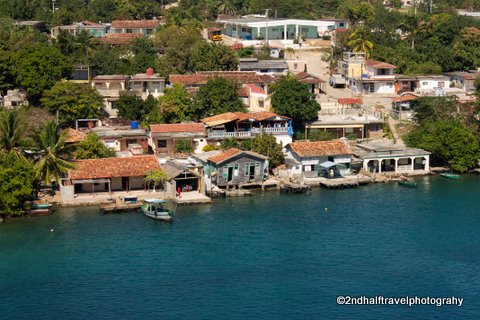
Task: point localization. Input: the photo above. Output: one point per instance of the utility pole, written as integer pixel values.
(53, 6)
(266, 29)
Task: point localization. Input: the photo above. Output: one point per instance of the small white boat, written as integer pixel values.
(155, 209)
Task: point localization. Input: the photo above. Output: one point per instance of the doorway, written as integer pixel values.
(230, 174)
(251, 173)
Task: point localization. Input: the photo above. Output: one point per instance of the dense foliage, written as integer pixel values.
(217, 96)
(93, 148)
(292, 98)
(446, 133)
(17, 176)
(73, 101)
(135, 108)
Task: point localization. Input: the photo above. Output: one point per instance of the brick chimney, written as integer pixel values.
(150, 72)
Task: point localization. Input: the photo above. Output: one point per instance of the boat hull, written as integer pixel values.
(450, 176)
(162, 216)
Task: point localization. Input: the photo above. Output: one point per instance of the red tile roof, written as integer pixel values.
(306, 77)
(230, 153)
(177, 127)
(407, 97)
(241, 77)
(379, 64)
(74, 136)
(320, 148)
(114, 167)
(239, 116)
(119, 38)
(254, 88)
(350, 100)
(132, 24)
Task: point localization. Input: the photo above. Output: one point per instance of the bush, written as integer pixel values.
(210, 147)
(183, 146)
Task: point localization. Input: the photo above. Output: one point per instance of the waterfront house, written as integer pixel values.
(183, 177)
(164, 137)
(233, 167)
(125, 140)
(107, 175)
(143, 27)
(319, 158)
(144, 84)
(243, 125)
(110, 87)
(386, 157)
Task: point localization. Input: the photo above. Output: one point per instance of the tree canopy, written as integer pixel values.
(131, 107)
(93, 148)
(218, 95)
(292, 98)
(73, 101)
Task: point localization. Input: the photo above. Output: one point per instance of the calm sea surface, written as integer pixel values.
(268, 256)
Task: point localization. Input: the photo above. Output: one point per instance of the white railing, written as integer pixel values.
(276, 130)
(223, 135)
(246, 134)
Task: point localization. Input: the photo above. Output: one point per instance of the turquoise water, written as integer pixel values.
(268, 256)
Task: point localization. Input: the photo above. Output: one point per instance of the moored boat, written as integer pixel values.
(155, 209)
(450, 175)
(408, 183)
(36, 206)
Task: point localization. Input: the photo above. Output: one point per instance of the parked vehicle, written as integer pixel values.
(215, 34)
(337, 81)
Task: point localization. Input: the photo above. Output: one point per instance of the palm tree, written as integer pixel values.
(156, 178)
(413, 27)
(11, 130)
(359, 43)
(227, 7)
(53, 154)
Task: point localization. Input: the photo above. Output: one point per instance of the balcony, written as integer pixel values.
(247, 134)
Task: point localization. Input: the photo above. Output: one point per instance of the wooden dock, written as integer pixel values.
(344, 183)
(119, 207)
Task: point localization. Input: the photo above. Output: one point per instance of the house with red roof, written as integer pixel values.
(365, 76)
(312, 159)
(233, 168)
(143, 27)
(243, 125)
(164, 137)
(108, 175)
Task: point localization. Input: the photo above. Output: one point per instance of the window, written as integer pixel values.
(261, 104)
(424, 83)
(295, 66)
(128, 31)
(162, 143)
(441, 84)
(113, 105)
(131, 141)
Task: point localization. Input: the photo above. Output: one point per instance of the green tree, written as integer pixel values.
(217, 96)
(93, 148)
(183, 146)
(54, 153)
(18, 177)
(143, 55)
(6, 74)
(292, 98)
(12, 130)
(213, 57)
(358, 42)
(135, 108)
(73, 101)
(175, 104)
(38, 67)
(434, 108)
(229, 143)
(449, 141)
(156, 178)
(267, 145)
